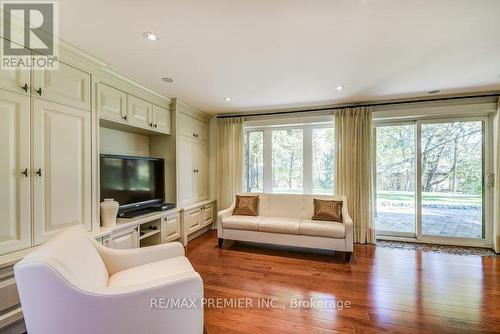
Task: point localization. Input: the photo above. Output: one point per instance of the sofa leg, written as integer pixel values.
(220, 242)
(347, 256)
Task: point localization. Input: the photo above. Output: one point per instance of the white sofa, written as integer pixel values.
(286, 220)
(71, 284)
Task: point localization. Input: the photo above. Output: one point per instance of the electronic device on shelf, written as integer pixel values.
(136, 183)
(162, 206)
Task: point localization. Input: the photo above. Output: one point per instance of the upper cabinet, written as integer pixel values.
(16, 81)
(67, 85)
(139, 112)
(125, 109)
(192, 127)
(111, 103)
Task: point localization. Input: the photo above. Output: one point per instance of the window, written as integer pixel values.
(288, 161)
(254, 161)
(291, 159)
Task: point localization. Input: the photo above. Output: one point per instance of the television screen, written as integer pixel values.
(132, 181)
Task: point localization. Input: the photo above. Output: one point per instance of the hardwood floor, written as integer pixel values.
(389, 290)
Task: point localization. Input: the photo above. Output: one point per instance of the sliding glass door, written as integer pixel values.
(395, 180)
(452, 160)
(430, 180)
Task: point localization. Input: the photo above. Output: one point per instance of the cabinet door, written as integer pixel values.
(193, 219)
(191, 127)
(67, 85)
(161, 119)
(14, 160)
(125, 239)
(61, 168)
(139, 112)
(170, 229)
(201, 167)
(208, 214)
(111, 103)
(17, 80)
(186, 171)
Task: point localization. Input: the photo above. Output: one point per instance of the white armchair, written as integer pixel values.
(72, 284)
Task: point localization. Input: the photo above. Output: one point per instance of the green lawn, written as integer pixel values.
(435, 198)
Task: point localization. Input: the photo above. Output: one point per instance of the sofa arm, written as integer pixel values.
(120, 259)
(224, 214)
(349, 230)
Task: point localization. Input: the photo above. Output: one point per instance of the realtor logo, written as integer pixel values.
(28, 31)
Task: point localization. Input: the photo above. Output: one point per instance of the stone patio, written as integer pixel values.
(449, 221)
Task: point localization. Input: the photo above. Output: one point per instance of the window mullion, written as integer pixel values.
(268, 168)
(307, 160)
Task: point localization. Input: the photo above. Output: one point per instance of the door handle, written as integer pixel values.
(39, 91)
(25, 172)
(25, 87)
(39, 172)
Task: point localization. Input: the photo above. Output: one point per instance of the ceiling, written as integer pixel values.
(269, 54)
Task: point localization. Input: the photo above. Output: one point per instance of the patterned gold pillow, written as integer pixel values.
(327, 210)
(246, 205)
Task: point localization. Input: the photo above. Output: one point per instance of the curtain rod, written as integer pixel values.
(360, 105)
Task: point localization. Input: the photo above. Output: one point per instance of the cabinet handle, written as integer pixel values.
(194, 134)
(124, 117)
(25, 87)
(39, 172)
(39, 91)
(25, 172)
(156, 125)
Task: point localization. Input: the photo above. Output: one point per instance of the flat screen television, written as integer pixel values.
(134, 182)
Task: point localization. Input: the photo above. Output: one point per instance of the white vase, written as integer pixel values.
(109, 210)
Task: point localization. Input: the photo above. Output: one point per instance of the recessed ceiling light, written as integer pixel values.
(339, 87)
(227, 99)
(150, 35)
(433, 91)
(167, 79)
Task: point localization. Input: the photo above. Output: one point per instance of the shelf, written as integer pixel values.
(148, 233)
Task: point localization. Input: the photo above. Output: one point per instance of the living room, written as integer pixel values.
(250, 167)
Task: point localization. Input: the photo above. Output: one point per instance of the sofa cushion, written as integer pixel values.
(279, 225)
(151, 271)
(322, 229)
(246, 205)
(241, 222)
(327, 210)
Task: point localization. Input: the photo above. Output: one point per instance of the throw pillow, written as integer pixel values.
(246, 205)
(327, 210)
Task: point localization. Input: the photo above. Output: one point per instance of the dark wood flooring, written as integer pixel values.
(390, 290)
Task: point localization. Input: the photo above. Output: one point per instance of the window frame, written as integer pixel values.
(307, 159)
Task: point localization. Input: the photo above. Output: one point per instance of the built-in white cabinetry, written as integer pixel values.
(125, 238)
(197, 219)
(122, 108)
(111, 103)
(15, 172)
(17, 81)
(61, 168)
(192, 158)
(170, 228)
(45, 154)
(161, 119)
(139, 112)
(67, 85)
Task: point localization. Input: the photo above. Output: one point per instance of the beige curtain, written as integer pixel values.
(353, 163)
(229, 160)
(496, 166)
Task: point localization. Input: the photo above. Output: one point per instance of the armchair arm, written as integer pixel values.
(224, 214)
(120, 259)
(349, 238)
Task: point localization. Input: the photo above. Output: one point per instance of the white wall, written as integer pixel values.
(123, 143)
